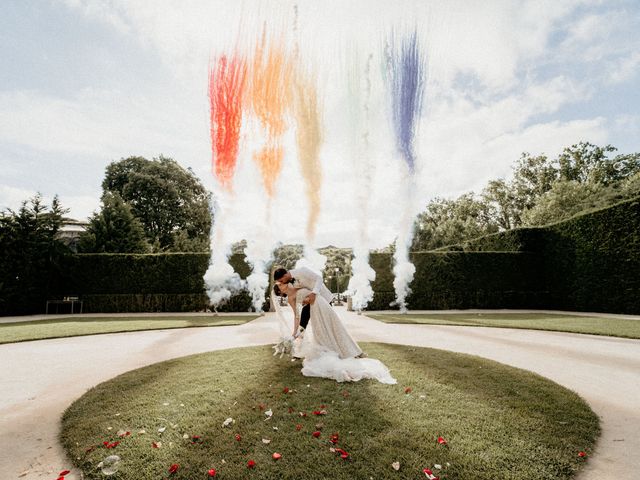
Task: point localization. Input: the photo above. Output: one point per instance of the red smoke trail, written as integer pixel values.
(227, 80)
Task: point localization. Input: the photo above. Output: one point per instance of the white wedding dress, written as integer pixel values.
(329, 351)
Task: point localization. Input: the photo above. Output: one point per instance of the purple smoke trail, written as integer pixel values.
(406, 76)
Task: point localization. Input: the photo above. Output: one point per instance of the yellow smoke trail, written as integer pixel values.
(270, 95)
(309, 139)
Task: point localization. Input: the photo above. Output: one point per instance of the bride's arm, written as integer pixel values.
(296, 316)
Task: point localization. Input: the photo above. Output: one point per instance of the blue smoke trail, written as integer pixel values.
(406, 69)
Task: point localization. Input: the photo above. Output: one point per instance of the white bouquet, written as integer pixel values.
(284, 347)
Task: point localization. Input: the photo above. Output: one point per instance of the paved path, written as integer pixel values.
(38, 380)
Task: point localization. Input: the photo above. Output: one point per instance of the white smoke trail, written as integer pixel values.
(403, 269)
(359, 92)
(312, 259)
(221, 281)
(259, 254)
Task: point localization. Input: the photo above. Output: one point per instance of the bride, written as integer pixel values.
(328, 349)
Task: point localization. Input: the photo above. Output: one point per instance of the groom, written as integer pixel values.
(307, 278)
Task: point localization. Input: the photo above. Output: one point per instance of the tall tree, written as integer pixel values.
(30, 252)
(446, 222)
(114, 229)
(170, 202)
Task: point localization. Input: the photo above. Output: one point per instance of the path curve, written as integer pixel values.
(38, 380)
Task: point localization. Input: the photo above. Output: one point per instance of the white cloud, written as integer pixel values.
(486, 101)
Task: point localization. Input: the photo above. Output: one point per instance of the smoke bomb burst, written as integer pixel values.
(221, 280)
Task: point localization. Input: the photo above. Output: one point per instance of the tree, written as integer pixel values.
(114, 229)
(30, 253)
(447, 222)
(170, 202)
(337, 269)
(564, 200)
(586, 162)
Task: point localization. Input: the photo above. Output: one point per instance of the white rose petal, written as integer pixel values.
(396, 466)
(162, 429)
(227, 422)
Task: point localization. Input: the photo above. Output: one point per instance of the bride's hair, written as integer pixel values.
(276, 289)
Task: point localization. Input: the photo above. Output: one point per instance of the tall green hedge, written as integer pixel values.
(455, 280)
(590, 262)
(144, 282)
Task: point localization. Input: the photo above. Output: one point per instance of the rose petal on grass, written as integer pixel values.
(316, 434)
(276, 456)
(298, 427)
(251, 464)
(156, 444)
(334, 438)
(238, 437)
(269, 414)
(430, 474)
(442, 441)
(266, 441)
(396, 466)
(582, 454)
(162, 429)
(212, 472)
(319, 412)
(408, 390)
(174, 468)
(64, 472)
(227, 422)
(285, 390)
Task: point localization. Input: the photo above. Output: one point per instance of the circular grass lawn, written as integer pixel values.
(494, 421)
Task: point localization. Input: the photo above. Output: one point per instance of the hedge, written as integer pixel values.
(590, 262)
(170, 282)
(457, 280)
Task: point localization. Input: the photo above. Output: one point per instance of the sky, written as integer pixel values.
(84, 83)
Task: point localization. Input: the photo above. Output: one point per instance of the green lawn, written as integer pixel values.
(74, 326)
(615, 327)
(498, 421)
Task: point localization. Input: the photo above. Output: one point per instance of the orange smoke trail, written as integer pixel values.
(271, 89)
(227, 80)
(309, 139)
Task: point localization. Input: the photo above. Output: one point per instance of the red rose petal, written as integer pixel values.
(298, 427)
(582, 454)
(174, 468)
(408, 390)
(286, 390)
(251, 464)
(64, 472)
(319, 412)
(238, 437)
(316, 434)
(442, 441)
(334, 438)
(154, 445)
(276, 456)
(212, 472)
